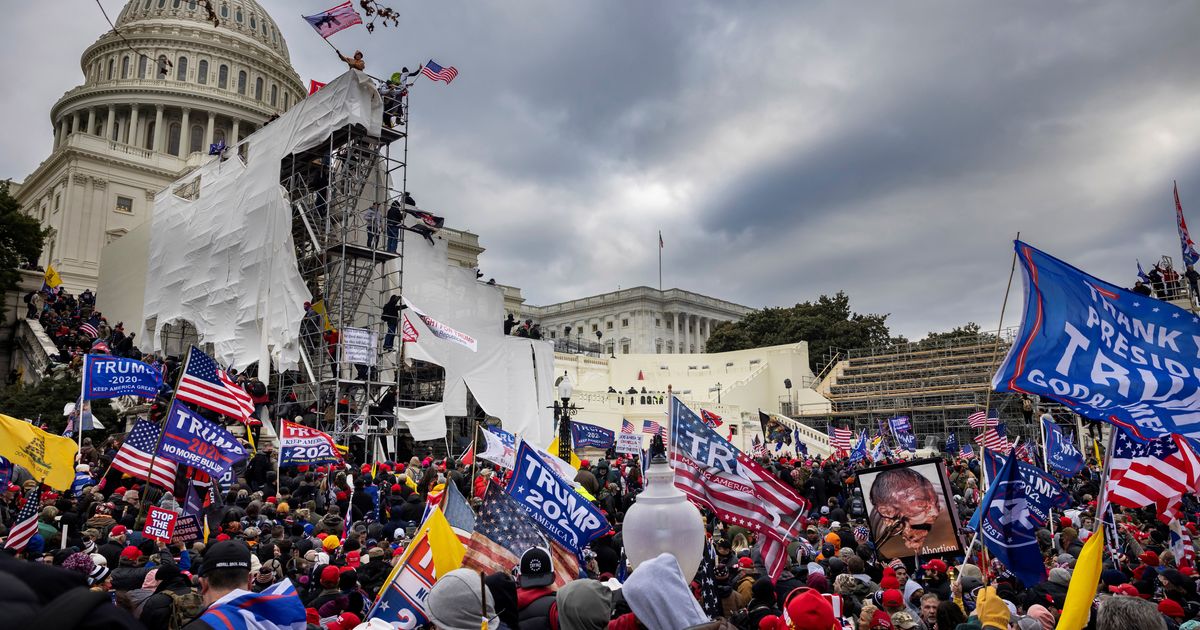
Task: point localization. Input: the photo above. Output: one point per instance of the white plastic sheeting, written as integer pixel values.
(225, 260)
(511, 378)
(425, 423)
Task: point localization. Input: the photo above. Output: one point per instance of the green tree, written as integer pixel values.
(46, 400)
(21, 239)
(826, 323)
(968, 331)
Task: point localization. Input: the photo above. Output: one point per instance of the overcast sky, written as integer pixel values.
(785, 150)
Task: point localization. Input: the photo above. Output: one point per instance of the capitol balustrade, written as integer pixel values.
(169, 86)
(648, 405)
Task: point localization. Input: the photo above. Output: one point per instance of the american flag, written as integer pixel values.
(979, 420)
(89, 330)
(503, 532)
(993, 438)
(706, 579)
(717, 476)
(839, 438)
(653, 428)
(710, 418)
(137, 451)
(967, 452)
(626, 426)
(204, 383)
(758, 446)
(1156, 472)
(438, 73)
(330, 21)
(26, 523)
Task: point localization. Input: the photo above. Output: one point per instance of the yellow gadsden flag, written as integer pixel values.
(51, 279)
(1084, 579)
(46, 456)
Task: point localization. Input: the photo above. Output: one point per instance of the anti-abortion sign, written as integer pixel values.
(299, 445)
(160, 524)
(106, 376)
(552, 502)
(195, 441)
(187, 529)
(591, 435)
(1104, 352)
(358, 345)
(629, 443)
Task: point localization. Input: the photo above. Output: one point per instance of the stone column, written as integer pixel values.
(91, 128)
(75, 121)
(133, 126)
(112, 121)
(158, 128)
(707, 330)
(208, 133)
(58, 134)
(234, 135)
(675, 333)
(185, 134)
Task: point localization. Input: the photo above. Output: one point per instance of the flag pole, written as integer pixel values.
(660, 248)
(1046, 465)
(161, 430)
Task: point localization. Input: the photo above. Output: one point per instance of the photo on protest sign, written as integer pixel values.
(909, 509)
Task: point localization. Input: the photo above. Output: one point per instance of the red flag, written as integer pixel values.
(313, 86)
(468, 457)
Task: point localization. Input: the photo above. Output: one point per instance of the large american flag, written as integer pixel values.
(89, 330)
(204, 383)
(137, 451)
(994, 438)
(717, 476)
(653, 428)
(626, 426)
(839, 438)
(1156, 472)
(438, 73)
(503, 532)
(979, 420)
(25, 525)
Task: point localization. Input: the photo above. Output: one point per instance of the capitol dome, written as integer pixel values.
(175, 83)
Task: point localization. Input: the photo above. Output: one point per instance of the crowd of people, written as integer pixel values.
(334, 532)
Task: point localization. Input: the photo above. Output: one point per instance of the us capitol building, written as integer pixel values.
(149, 107)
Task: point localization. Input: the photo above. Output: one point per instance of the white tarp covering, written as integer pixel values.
(225, 260)
(425, 423)
(510, 377)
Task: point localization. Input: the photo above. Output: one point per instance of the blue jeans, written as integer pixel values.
(390, 337)
(393, 237)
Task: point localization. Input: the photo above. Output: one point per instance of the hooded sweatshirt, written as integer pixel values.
(584, 605)
(659, 596)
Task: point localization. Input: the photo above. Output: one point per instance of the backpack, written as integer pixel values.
(184, 608)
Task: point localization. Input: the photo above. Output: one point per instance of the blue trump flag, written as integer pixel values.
(1061, 453)
(193, 440)
(1104, 352)
(906, 440)
(1007, 524)
(1043, 491)
(591, 435)
(899, 423)
(860, 449)
(951, 444)
(108, 377)
(552, 503)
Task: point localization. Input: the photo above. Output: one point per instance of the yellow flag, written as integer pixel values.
(1096, 447)
(553, 450)
(447, 549)
(1086, 576)
(319, 308)
(47, 456)
(51, 279)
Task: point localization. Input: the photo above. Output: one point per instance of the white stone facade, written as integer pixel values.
(641, 320)
(139, 122)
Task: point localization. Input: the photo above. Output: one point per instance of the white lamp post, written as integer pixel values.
(662, 520)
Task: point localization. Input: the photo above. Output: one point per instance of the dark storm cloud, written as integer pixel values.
(784, 149)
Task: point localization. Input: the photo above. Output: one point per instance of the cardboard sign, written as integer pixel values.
(160, 524)
(629, 443)
(187, 529)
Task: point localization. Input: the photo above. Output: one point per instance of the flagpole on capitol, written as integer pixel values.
(660, 248)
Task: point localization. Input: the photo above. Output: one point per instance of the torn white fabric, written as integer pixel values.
(425, 423)
(225, 260)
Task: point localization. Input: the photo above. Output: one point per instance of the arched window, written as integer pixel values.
(258, 89)
(173, 132)
(162, 3)
(241, 88)
(148, 3)
(111, 65)
(253, 23)
(181, 69)
(238, 15)
(149, 142)
(191, 5)
(162, 67)
(274, 95)
(143, 63)
(224, 10)
(287, 99)
(197, 139)
(223, 77)
(202, 72)
(125, 67)
(176, 4)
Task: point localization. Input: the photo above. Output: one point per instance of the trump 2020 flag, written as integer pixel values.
(193, 440)
(860, 449)
(1061, 454)
(906, 440)
(108, 377)
(1104, 352)
(591, 435)
(552, 503)
(330, 21)
(1008, 525)
(301, 445)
